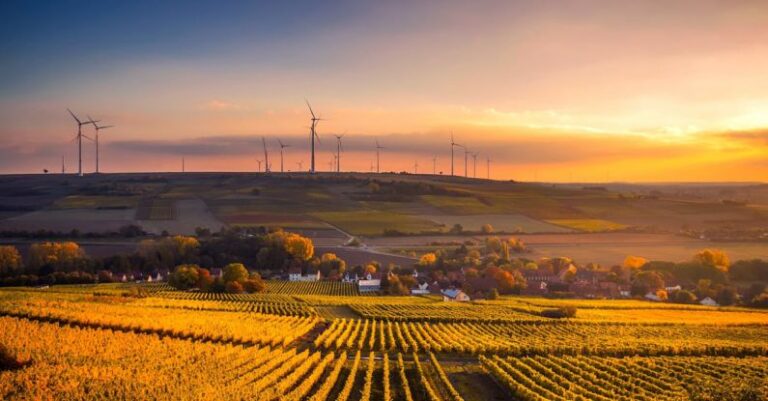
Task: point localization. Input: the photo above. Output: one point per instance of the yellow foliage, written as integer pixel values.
(634, 262)
(427, 259)
(713, 257)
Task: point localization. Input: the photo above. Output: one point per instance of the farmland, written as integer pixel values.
(281, 345)
(555, 220)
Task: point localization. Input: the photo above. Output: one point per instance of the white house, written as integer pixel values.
(420, 289)
(369, 283)
(295, 275)
(454, 295)
(652, 297)
(709, 302)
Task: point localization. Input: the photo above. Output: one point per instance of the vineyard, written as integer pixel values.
(107, 342)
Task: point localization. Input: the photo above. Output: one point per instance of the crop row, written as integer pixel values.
(545, 338)
(553, 378)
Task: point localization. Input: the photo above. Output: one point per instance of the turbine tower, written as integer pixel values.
(80, 140)
(312, 136)
(378, 148)
(466, 154)
(282, 146)
(488, 167)
(98, 128)
(453, 144)
(434, 165)
(474, 165)
(339, 148)
(259, 161)
(266, 155)
(416, 167)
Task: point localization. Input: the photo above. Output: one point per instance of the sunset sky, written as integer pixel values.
(549, 91)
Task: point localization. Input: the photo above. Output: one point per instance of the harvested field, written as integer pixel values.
(84, 220)
(190, 214)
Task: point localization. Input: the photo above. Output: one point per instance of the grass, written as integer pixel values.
(589, 225)
(374, 222)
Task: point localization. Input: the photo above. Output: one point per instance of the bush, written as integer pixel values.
(683, 297)
(9, 361)
(233, 287)
(559, 313)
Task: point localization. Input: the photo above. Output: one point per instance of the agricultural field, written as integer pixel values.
(322, 341)
(589, 225)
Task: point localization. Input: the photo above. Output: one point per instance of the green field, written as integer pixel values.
(374, 223)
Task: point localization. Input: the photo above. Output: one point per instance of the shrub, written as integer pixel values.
(559, 313)
(9, 361)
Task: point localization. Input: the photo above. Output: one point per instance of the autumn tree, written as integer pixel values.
(234, 287)
(428, 259)
(10, 260)
(486, 229)
(254, 284)
(330, 263)
(645, 282)
(713, 257)
(204, 279)
(299, 247)
(234, 272)
(184, 277)
(634, 262)
(59, 256)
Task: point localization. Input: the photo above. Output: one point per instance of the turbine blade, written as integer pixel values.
(310, 108)
(73, 116)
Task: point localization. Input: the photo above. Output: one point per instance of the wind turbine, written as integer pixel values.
(282, 146)
(378, 147)
(339, 148)
(80, 140)
(98, 128)
(474, 165)
(63, 168)
(259, 161)
(300, 163)
(416, 167)
(488, 167)
(453, 144)
(466, 153)
(312, 136)
(266, 155)
(434, 165)
(183, 167)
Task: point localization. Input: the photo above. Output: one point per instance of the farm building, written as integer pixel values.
(420, 289)
(455, 295)
(371, 282)
(296, 275)
(709, 302)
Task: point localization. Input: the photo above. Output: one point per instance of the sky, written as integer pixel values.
(568, 91)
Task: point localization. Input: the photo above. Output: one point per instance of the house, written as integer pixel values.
(371, 282)
(673, 288)
(652, 297)
(294, 274)
(421, 289)
(216, 272)
(454, 295)
(709, 302)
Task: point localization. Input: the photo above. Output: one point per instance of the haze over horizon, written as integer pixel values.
(584, 91)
